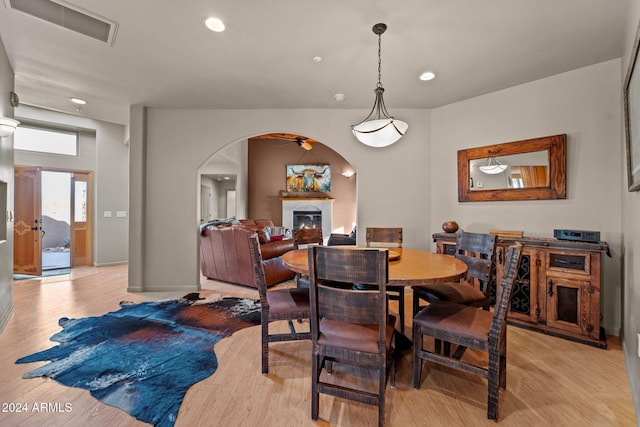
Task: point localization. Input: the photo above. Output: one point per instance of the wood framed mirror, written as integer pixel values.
(532, 169)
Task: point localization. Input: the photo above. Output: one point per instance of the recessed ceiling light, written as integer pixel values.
(78, 101)
(214, 24)
(427, 75)
(339, 97)
(317, 59)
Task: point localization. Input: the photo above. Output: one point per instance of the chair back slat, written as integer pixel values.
(350, 265)
(477, 268)
(478, 251)
(479, 243)
(308, 236)
(348, 305)
(384, 235)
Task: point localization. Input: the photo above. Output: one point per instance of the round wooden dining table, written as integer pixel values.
(407, 267)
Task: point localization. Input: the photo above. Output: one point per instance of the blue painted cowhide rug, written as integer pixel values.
(143, 357)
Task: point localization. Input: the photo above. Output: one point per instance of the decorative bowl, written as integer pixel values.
(450, 226)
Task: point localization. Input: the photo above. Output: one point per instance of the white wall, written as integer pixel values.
(101, 150)
(178, 142)
(584, 104)
(631, 244)
(6, 175)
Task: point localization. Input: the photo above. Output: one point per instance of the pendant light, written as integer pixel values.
(379, 129)
(7, 126)
(493, 167)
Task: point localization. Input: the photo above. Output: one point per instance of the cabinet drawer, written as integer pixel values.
(569, 262)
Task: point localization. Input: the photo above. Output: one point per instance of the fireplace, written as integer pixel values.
(307, 219)
(311, 213)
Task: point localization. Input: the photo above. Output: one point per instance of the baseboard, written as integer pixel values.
(612, 331)
(5, 318)
(108, 264)
(635, 389)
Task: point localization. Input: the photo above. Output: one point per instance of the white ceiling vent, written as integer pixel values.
(68, 16)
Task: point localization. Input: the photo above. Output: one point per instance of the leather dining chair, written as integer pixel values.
(470, 327)
(350, 327)
(478, 251)
(278, 304)
(389, 237)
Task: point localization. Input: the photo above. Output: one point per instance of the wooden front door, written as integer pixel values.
(81, 219)
(28, 230)
(27, 234)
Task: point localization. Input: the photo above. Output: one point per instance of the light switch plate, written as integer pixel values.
(107, 214)
(121, 214)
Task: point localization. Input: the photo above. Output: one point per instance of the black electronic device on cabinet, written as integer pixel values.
(577, 235)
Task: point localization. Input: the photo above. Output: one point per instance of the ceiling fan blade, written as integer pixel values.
(303, 144)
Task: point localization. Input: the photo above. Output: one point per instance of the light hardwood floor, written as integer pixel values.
(550, 381)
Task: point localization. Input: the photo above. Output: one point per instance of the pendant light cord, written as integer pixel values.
(379, 60)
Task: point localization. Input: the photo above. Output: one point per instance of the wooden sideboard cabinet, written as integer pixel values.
(557, 289)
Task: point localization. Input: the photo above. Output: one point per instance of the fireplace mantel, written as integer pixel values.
(294, 199)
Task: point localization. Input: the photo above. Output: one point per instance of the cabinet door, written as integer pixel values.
(525, 301)
(569, 305)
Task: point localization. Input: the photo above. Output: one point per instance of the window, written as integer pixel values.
(44, 140)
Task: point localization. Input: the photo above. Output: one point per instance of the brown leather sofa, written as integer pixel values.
(225, 253)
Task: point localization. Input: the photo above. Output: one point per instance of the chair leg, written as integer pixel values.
(415, 304)
(265, 346)
(315, 371)
(401, 308)
(417, 360)
(503, 362)
(493, 387)
(382, 386)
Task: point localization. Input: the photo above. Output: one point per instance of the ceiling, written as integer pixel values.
(163, 55)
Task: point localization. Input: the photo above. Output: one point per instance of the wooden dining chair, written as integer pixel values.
(389, 237)
(350, 327)
(278, 304)
(305, 237)
(470, 327)
(478, 251)
(308, 236)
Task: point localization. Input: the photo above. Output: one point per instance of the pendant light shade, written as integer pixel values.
(7, 126)
(493, 167)
(379, 129)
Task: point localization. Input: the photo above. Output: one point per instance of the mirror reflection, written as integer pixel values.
(523, 170)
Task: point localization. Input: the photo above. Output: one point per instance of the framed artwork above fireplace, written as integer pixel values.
(309, 178)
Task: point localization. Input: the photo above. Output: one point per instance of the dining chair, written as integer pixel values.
(308, 236)
(478, 251)
(388, 237)
(350, 327)
(305, 237)
(278, 304)
(469, 327)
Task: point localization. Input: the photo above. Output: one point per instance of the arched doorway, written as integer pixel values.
(259, 166)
